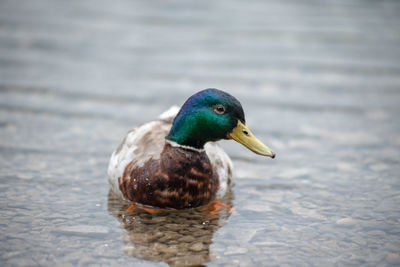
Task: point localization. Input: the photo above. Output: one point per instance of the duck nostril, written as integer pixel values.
(246, 132)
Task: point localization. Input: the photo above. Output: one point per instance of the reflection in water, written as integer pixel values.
(175, 237)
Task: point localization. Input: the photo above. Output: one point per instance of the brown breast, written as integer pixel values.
(180, 178)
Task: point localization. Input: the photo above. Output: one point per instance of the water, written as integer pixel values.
(319, 83)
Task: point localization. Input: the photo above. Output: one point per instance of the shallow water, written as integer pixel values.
(319, 84)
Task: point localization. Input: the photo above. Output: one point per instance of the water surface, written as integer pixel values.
(319, 83)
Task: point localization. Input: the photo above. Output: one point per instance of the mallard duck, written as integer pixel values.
(174, 162)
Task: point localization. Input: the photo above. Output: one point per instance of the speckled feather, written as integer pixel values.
(180, 178)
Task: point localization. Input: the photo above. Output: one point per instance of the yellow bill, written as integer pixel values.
(242, 135)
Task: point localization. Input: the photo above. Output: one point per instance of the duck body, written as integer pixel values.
(174, 162)
(150, 170)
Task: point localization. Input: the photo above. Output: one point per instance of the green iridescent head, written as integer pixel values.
(211, 115)
(206, 116)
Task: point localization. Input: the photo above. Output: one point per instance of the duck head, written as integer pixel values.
(212, 115)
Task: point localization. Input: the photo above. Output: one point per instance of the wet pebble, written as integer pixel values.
(173, 226)
(235, 251)
(187, 239)
(197, 246)
(199, 233)
(190, 260)
(346, 221)
(165, 249)
(84, 230)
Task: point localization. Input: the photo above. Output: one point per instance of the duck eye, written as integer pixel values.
(219, 109)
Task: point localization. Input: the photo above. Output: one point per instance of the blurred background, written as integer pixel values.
(319, 82)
